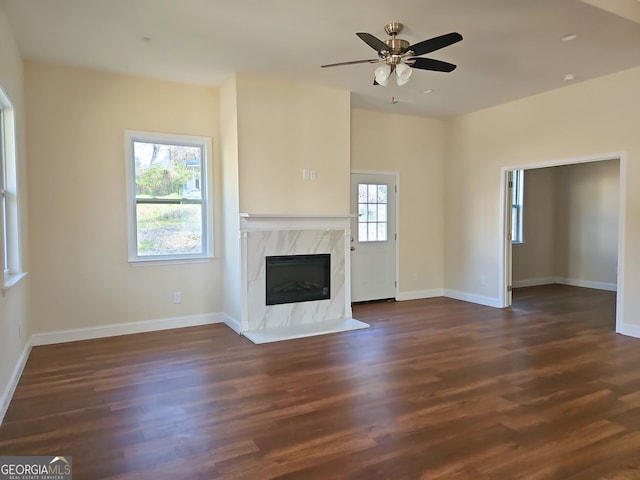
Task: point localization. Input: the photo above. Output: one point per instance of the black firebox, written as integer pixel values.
(298, 278)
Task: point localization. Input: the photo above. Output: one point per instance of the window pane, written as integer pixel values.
(382, 232)
(5, 226)
(373, 213)
(372, 232)
(362, 232)
(169, 229)
(382, 194)
(373, 194)
(382, 213)
(167, 171)
(517, 204)
(362, 193)
(362, 212)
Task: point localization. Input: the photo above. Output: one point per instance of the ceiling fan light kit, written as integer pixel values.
(403, 72)
(382, 74)
(401, 57)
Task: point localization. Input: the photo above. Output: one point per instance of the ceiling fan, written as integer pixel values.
(400, 57)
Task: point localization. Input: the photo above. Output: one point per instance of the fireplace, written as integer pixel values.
(286, 238)
(297, 278)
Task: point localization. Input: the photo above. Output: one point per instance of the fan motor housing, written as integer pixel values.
(397, 45)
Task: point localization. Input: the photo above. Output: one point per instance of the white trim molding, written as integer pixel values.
(418, 294)
(473, 298)
(533, 282)
(629, 330)
(231, 322)
(576, 282)
(102, 331)
(10, 389)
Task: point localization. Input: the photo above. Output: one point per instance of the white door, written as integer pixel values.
(373, 237)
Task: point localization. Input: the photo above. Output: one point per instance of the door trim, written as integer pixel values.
(396, 175)
(621, 327)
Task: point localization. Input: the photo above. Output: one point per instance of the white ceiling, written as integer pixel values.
(511, 48)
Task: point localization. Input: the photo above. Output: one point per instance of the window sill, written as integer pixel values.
(12, 280)
(517, 243)
(170, 261)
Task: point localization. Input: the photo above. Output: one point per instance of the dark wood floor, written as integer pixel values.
(435, 389)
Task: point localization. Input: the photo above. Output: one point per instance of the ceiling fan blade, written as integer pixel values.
(434, 44)
(431, 64)
(373, 60)
(375, 43)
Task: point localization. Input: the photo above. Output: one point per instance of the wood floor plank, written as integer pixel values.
(436, 389)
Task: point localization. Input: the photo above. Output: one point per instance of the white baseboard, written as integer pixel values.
(417, 294)
(472, 298)
(575, 282)
(7, 395)
(231, 322)
(72, 335)
(629, 330)
(534, 282)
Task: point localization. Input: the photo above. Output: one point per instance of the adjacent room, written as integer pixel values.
(258, 240)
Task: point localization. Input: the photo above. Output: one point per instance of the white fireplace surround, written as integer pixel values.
(263, 235)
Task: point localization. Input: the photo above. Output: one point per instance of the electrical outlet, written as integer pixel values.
(177, 297)
(483, 280)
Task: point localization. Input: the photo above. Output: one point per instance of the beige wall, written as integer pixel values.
(571, 225)
(590, 118)
(76, 120)
(535, 258)
(418, 157)
(15, 327)
(587, 222)
(284, 127)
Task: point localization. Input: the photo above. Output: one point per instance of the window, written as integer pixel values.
(372, 212)
(517, 204)
(169, 209)
(11, 256)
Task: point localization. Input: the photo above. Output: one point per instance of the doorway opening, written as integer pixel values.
(572, 226)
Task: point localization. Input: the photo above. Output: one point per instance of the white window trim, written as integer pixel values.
(11, 235)
(518, 178)
(206, 191)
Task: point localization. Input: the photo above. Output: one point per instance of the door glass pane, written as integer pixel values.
(382, 231)
(382, 212)
(362, 212)
(362, 193)
(372, 212)
(373, 194)
(382, 194)
(372, 231)
(362, 232)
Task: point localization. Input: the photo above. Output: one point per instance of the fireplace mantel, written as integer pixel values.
(266, 234)
(271, 221)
